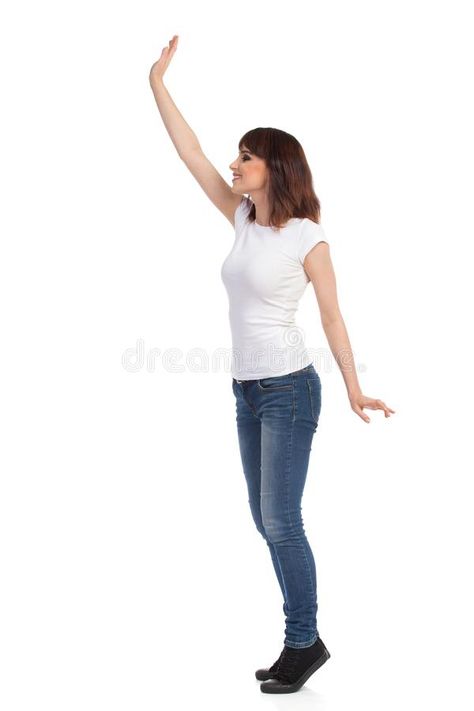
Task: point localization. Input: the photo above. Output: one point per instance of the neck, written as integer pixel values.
(262, 207)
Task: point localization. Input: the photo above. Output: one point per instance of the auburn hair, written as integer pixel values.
(290, 182)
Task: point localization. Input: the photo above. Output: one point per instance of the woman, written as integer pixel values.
(279, 247)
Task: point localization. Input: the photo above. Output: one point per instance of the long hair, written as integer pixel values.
(290, 184)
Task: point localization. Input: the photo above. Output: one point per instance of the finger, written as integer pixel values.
(362, 414)
(372, 405)
(385, 408)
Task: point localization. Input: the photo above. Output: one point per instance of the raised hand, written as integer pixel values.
(161, 65)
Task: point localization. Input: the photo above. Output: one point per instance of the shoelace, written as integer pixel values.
(288, 661)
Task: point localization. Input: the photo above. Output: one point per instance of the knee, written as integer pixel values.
(278, 529)
(257, 519)
(260, 527)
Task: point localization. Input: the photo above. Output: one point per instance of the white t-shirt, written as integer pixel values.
(265, 279)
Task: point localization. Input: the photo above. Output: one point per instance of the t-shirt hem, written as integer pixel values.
(271, 374)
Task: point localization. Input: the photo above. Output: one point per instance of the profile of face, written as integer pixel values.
(249, 173)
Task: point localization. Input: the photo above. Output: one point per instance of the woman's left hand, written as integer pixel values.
(358, 402)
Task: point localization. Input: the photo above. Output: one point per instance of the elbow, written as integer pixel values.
(187, 154)
(330, 318)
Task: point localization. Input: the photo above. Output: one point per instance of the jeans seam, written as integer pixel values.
(287, 494)
(310, 390)
(294, 403)
(287, 478)
(249, 404)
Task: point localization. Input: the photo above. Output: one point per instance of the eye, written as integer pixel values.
(245, 157)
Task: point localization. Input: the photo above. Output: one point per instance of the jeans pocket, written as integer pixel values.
(314, 389)
(274, 383)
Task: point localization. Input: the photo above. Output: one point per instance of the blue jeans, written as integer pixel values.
(276, 420)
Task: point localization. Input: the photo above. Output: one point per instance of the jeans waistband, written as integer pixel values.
(295, 372)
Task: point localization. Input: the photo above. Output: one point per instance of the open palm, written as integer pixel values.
(161, 65)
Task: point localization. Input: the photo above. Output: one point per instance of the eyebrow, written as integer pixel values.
(245, 150)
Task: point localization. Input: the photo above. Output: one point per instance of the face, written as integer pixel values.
(250, 172)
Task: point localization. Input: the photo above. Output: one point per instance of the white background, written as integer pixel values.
(132, 574)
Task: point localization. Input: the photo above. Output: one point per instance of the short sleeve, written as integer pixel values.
(310, 235)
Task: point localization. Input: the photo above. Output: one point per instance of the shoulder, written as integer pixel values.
(310, 234)
(308, 225)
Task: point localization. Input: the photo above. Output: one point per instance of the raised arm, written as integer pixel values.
(186, 142)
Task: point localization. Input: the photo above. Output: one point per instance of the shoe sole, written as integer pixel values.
(289, 688)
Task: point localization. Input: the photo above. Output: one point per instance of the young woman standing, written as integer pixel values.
(279, 247)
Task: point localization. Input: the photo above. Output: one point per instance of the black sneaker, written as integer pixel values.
(263, 674)
(295, 667)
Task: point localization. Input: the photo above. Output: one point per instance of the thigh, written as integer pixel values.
(249, 437)
(289, 421)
